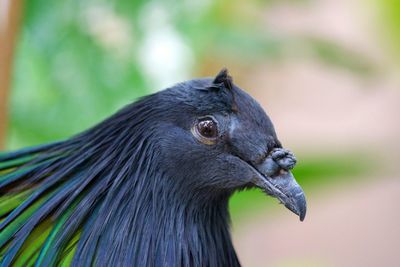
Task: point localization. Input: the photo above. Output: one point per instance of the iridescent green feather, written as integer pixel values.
(8, 202)
(50, 240)
(13, 227)
(31, 248)
(41, 238)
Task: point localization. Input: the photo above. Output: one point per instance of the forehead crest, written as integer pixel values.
(223, 79)
(223, 82)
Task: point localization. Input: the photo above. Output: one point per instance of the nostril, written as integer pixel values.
(279, 160)
(287, 163)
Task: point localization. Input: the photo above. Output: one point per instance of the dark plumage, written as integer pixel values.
(148, 186)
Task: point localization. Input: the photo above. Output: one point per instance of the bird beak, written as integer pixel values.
(275, 178)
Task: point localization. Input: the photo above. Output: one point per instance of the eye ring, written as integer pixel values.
(206, 130)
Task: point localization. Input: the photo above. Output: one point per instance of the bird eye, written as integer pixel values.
(206, 130)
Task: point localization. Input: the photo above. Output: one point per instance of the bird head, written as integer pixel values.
(221, 140)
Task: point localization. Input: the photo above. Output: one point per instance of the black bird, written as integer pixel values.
(148, 186)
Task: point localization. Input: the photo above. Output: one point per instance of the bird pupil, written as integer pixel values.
(207, 128)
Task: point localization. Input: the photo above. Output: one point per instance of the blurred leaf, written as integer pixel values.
(317, 170)
(337, 55)
(65, 80)
(389, 17)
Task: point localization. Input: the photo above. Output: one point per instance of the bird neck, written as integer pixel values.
(187, 230)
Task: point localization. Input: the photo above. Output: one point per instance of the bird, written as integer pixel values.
(148, 186)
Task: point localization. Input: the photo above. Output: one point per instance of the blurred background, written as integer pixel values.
(326, 71)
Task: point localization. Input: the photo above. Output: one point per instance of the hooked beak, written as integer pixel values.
(274, 177)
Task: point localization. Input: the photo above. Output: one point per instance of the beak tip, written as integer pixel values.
(302, 216)
(298, 206)
(302, 208)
